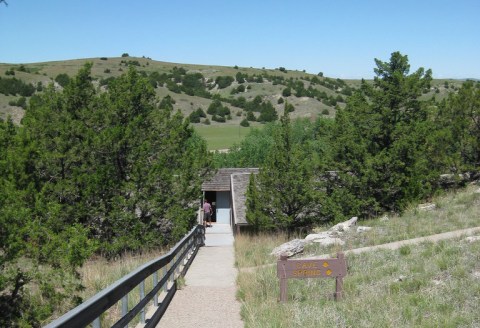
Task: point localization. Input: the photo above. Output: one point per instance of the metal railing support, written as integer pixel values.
(125, 306)
(142, 296)
(155, 283)
(91, 311)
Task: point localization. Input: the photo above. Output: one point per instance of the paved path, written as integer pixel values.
(209, 294)
(414, 241)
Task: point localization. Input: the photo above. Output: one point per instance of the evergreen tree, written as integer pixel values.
(285, 196)
(381, 136)
(457, 143)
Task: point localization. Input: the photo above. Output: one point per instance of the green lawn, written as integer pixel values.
(224, 136)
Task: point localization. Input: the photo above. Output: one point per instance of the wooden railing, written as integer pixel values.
(173, 264)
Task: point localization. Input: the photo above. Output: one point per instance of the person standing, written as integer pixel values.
(207, 214)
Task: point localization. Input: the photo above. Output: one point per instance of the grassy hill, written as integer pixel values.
(322, 99)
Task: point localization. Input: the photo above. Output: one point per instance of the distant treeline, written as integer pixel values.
(384, 150)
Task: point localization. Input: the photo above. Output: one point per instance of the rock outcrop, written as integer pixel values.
(290, 248)
(344, 226)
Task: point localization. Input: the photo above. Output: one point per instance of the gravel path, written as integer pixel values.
(392, 245)
(414, 241)
(209, 294)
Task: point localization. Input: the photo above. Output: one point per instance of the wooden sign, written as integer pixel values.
(312, 268)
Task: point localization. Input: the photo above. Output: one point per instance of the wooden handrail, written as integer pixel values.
(94, 307)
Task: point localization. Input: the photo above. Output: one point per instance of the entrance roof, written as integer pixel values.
(221, 180)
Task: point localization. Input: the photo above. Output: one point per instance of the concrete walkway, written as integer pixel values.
(209, 294)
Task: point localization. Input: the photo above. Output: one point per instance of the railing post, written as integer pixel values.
(96, 323)
(172, 278)
(155, 283)
(142, 296)
(125, 306)
(165, 285)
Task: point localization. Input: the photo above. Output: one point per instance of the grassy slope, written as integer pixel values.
(429, 285)
(304, 107)
(223, 136)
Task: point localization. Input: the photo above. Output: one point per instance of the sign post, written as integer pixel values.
(312, 268)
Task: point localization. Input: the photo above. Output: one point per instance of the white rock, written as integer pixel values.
(361, 229)
(345, 226)
(290, 248)
(427, 207)
(322, 235)
(472, 239)
(477, 191)
(401, 278)
(384, 218)
(329, 241)
(316, 236)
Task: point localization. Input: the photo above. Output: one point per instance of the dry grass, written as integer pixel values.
(254, 250)
(428, 285)
(97, 274)
(432, 285)
(454, 211)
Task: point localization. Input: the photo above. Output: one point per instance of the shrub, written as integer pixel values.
(240, 77)
(103, 58)
(325, 111)
(106, 70)
(201, 113)
(20, 102)
(224, 81)
(125, 54)
(206, 122)
(13, 86)
(280, 100)
(251, 117)
(289, 107)
(244, 123)
(22, 68)
(63, 79)
(287, 92)
(194, 117)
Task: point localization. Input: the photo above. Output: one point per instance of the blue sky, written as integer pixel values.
(338, 37)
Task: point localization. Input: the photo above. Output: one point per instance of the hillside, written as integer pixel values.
(195, 86)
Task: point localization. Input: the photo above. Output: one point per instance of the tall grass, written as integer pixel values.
(99, 273)
(426, 285)
(254, 250)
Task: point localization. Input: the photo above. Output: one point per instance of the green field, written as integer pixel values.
(223, 136)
